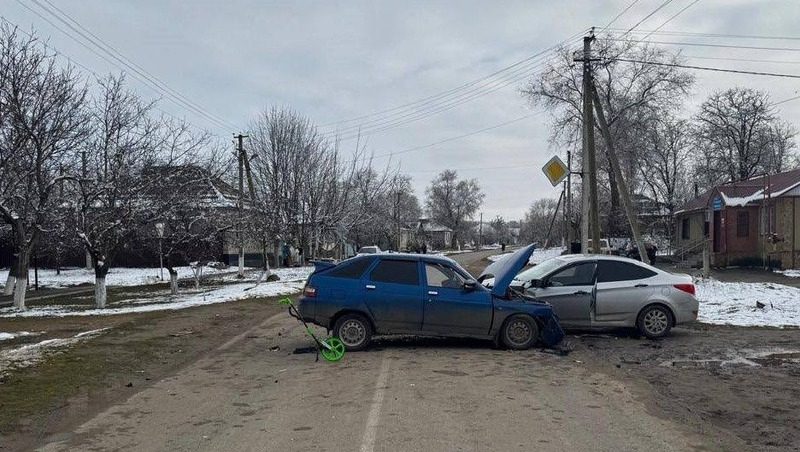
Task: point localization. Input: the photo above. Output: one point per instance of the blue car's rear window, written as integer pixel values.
(352, 270)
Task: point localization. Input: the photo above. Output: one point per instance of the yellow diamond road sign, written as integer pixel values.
(555, 170)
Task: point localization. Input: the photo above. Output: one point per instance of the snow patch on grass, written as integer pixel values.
(734, 303)
(791, 273)
(14, 335)
(30, 354)
(116, 276)
(292, 281)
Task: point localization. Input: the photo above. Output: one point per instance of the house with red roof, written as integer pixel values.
(753, 222)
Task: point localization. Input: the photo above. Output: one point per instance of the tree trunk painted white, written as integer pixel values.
(173, 282)
(100, 295)
(19, 295)
(241, 262)
(21, 284)
(89, 264)
(8, 289)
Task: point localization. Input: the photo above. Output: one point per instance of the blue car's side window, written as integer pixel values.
(396, 272)
(439, 275)
(350, 270)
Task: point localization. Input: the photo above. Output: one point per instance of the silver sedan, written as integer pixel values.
(593, 291)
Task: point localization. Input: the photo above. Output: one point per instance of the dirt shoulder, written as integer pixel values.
(713, 379)
(71, 386)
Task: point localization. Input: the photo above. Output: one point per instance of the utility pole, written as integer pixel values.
(480, 233)
(242, 158)
(568, 206)
(622, 186)
(590, 218)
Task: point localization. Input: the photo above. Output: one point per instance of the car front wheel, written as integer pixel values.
(354, 330)
(654, 321)
(520, 332)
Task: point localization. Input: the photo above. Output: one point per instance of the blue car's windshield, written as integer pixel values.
(539, 271)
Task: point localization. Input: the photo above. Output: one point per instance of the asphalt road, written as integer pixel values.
(253, 393)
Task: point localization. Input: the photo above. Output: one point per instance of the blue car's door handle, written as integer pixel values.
(580, 292)
(433, 292)
(370, 286)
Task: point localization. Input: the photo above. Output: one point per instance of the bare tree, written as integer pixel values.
(42, 121)
(740, 135)
(628, 90)
(451, 202)
(664, 166)
(118, 193)
(537, 221)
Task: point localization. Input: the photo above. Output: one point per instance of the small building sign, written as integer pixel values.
(555, 170)
(716, 204)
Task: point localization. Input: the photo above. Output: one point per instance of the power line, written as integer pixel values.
(77, 63)
(746, 60)
(416, 116)
(713, 35)
(126, 59)
(136, 74)
(665, 3)
(704, 68)
(634, 2)
(670, 19)
(446, 93)
(447, 140)
(478, 168)
(786, 100)
(726, 46)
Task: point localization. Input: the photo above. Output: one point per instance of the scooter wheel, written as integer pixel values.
(336, 350)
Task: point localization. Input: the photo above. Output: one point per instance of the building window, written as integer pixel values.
(685, 229)
(743, 224)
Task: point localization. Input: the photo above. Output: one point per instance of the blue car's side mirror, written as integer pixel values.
(470, 284)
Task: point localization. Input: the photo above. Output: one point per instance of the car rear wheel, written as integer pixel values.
(354, 330)
(654, 321)
(520, 332)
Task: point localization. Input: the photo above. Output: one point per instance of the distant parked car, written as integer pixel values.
(419, 294)
(368, 250)
(605, 248)
(632, 251)
(594, 291)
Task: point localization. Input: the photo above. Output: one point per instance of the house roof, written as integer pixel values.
(750, 191)
(208, 189)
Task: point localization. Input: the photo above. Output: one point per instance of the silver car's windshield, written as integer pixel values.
(539, 271)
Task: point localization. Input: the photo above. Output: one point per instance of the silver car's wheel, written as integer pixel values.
(655, 321)
(354, 331)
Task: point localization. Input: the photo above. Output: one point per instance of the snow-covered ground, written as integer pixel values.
(116, 276)
(734, 303)
(30, 354)
(539, 255)
(292, 281)
(9, 336)
(791, 273)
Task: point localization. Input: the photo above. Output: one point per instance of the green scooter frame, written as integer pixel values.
(332, 349)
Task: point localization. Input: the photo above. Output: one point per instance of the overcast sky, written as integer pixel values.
(335, 60)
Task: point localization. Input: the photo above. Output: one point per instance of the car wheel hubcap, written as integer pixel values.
(656, 321)
(352, 333)
(518, 332)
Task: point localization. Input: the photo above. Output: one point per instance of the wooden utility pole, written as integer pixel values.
(622, 186)
(590, 219)
(480, 233)
(242, 162)
(590, 165)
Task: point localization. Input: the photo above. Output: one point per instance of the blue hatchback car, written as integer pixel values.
(427, 295)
